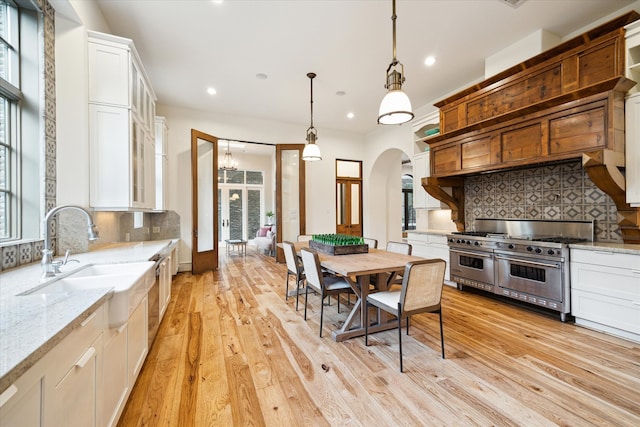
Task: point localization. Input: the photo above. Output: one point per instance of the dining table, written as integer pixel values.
(357, 270)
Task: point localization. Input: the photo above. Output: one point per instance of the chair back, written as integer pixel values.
(304, 238)
(373, 243)
(422, 285)
(312, 271)
(291, 258)
(399, 247)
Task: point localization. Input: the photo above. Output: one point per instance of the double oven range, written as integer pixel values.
(527, 260)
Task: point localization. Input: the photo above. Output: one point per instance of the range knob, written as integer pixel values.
(550, 252)
(459, 241)
(476, 243)
(468, 242)
(538, 250)
(451, 240)
(511, 246)
(529, 248)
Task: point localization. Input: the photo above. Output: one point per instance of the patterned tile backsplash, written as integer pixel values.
(553, 192)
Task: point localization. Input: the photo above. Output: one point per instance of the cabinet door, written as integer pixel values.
(137, 340)
(421, 168)
(73, 401)
(116, 384)
(632, 146)
(108, 75)
(149, 160)
(165, 285)
(20, 404)
(109, 136)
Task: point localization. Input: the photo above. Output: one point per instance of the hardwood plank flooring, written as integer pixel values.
(232, 352)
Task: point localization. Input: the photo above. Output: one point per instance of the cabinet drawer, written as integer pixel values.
(74, 345)
(609, 281)
(577, 132)
(606, 258)
(609, 311)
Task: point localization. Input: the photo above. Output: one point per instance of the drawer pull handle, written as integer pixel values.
(88, 319)
(603, 253)
(86, 357)
(8, 394)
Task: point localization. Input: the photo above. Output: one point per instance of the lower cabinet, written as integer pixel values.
(137, 340)
(430, 246)
(165, 285)
(74, 376)
(605, 291)
(21, 403)
(116, 384)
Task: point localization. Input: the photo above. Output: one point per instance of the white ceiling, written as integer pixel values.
(189, 45)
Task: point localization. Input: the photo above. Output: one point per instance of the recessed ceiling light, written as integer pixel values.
(262, 76)
(429, 61)
(350, 115)
(211, 91)
(341, 93)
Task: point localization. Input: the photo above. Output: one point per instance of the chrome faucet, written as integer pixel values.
(49, 267)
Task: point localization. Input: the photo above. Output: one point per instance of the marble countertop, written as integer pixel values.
(31, 325)
(431, 231)
(622, 248)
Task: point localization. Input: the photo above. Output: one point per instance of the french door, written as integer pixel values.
(231, 214)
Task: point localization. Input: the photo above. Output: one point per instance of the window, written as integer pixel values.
(408, 212)
(20, 139)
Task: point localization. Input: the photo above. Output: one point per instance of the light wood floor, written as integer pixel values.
(231, 351)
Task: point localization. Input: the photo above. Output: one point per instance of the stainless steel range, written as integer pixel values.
(527, 260)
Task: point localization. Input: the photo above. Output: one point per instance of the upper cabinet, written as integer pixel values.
(162, 163)
(632, 47)
(428, 126)
(121, 126)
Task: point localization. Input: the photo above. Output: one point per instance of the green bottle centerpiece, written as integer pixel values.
(338, 244)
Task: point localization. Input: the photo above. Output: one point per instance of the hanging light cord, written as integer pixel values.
(311, 76)
(393, 20)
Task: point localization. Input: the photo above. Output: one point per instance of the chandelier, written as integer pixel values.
(227, 163)
(395, 107)
(311, 151)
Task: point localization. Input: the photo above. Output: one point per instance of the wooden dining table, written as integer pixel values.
(357, 269)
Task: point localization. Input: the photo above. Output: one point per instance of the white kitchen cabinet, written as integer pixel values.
(122, 160)
(162, 163)
(137, 340)
(21, 403)
(165, 285)
(121, 126)
(632, 47)
(632, 148)
(174, 259)
(116, 384)
(73, 386)
(605, 291)
(429, 245)
(422, 199)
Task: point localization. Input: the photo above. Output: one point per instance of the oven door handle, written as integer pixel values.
(478, 254)
(521, 261)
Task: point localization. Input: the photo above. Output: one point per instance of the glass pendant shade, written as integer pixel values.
(311, 153)
(395, 108)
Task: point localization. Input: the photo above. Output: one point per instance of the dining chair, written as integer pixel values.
(373, 243)
(325, 285)
(401, 248)
(294, 268)
(421, 292)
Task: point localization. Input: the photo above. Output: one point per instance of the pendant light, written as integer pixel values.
(395, 107)
(227, 163)
(311, 151)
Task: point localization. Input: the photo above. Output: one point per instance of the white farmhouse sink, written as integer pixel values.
(130, 283)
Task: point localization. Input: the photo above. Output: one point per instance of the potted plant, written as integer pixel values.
(270, 215)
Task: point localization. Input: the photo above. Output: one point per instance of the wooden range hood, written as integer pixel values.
(566, 103)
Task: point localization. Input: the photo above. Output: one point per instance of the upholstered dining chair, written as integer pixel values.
(401, 248)
(325, 285)
(421, 292)
(294, 268)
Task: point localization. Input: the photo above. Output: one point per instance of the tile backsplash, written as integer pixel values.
(552, 192)
(69, 231)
